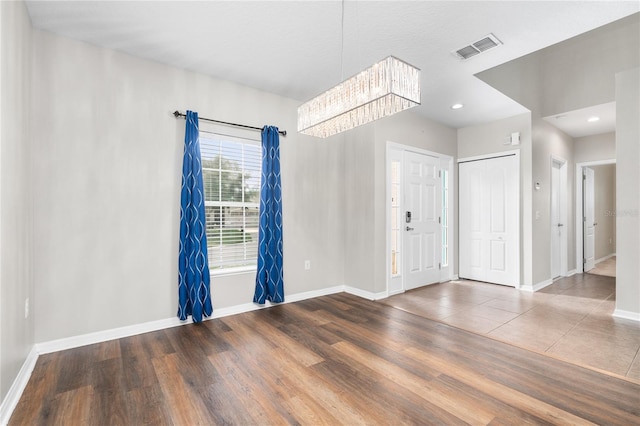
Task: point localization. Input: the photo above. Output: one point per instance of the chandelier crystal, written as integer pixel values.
(385, 88)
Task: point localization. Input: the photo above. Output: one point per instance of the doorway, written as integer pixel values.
(419, 214)
(559, 231)
(589, 221)
(590, 216)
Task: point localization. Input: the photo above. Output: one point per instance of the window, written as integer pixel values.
(231, 174)
(396, 220)
(445, 218)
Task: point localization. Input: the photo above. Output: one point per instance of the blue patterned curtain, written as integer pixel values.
(269, 278)
(194, 297)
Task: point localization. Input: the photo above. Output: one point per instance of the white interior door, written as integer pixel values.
(473, 219)
(589, 219)
(421, 239)
(489, 220)
(557, 227)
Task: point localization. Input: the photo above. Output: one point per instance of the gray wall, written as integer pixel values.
(489, 139)
(605, 207)
(107, 163)
(412, 130)
(16, 280)
(589, 60)
(548, 142)
(570, 75)
(365, 190)
(627, 193)
(595, 148)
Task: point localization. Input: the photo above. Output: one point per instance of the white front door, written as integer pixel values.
(589, 219)
(557, 227)
(421, 239)
(489, 220)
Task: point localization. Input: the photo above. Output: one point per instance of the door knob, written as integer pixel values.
(560, 224)
(409, 228)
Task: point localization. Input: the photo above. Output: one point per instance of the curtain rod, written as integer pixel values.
(178, 114)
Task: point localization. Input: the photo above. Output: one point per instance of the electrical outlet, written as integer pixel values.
(26, 308)
(307, 265)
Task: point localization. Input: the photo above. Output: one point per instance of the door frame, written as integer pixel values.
(579, 209)
(395, 151)
(564, 201)
(516, 152)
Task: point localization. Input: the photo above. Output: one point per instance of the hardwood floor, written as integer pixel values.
(335, 359)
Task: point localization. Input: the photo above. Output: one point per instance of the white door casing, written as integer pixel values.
(557, 227)
(489, 220)
(589, 219)
(421, 238)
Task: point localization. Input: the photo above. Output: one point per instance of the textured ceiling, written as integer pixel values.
(294, 48)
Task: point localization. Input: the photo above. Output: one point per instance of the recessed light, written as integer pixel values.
(456, 106)
(593, 119)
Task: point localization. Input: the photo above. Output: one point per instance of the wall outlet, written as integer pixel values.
(307, 265)
(26, 308)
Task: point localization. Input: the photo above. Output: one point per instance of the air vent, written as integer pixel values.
(485, 43)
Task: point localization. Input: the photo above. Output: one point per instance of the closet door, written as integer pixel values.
(489, 220)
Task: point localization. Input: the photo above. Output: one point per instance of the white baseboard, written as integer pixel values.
(15, 391)
(633, 316)
(132, 330)
(571, 273)
(455, 277)
(602, 259)
(537, 286)
(365, 294)
(106, 335)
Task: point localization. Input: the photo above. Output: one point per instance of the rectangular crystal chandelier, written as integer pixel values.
(385, 88)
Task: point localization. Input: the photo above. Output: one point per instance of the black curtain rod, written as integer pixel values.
(178, 114)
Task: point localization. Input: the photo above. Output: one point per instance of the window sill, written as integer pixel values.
(232, 271)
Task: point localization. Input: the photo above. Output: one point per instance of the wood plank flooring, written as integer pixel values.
(332, 360)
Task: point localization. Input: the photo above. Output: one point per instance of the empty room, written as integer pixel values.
(319, 212)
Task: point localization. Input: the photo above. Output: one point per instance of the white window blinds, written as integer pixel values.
(231, 174)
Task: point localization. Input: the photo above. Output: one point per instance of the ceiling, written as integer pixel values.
(294, 48)
(576, 124)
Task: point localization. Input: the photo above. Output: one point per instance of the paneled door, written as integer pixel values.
(489, 220)
(422, 209)
(589, 219)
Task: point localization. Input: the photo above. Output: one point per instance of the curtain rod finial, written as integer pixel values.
(177, 113)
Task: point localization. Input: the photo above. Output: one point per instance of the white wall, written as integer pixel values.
(595, 148)
(627, 193)
(16, 284)
(107, 163)
(604, 183)
(489, 139)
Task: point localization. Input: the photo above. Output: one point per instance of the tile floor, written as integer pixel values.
(570, 319)
(606, 267)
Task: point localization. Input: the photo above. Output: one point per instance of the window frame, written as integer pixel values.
(245, 139)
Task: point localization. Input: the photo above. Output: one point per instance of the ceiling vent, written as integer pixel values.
(485, 43)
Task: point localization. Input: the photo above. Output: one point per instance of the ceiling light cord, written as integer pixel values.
(342, 43)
